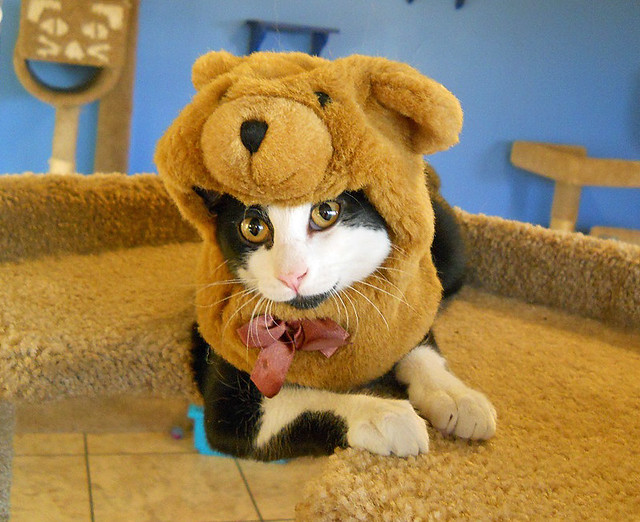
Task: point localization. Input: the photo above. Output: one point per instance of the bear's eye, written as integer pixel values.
(323, 98)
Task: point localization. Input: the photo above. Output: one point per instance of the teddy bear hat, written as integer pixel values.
(288, 129)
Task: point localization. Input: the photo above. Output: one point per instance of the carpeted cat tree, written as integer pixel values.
(97, 35)
(6, 441)
(97, 291)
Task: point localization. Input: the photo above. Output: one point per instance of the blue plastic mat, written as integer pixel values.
(199, 437)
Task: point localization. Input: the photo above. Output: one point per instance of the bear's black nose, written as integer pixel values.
(252, 133)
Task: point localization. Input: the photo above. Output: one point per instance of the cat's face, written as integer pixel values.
(301, 255)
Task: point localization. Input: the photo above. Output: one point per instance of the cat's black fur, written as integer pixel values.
(448, 248)
(232, 401)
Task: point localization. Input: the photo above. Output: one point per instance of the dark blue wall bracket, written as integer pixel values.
(259, 29)
(459, 3)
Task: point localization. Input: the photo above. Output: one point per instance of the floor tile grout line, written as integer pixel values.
(86, 459)
(246, 484)
(40, 455)
(132, 453)
(106, 453)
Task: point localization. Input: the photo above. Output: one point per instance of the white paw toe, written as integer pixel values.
(441, 411)
(388, 427)
(466, 413)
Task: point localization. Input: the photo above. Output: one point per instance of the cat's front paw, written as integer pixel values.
(463, 412)
(386, 427)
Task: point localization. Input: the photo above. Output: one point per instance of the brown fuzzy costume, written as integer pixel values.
(381, 118)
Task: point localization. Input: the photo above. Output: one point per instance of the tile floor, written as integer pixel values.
(146, 477)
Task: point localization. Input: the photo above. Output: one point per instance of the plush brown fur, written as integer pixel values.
(382, 118)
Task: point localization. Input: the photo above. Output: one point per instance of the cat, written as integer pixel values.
(304, 255)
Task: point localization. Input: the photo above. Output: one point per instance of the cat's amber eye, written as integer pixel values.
(255, 230)
(324, 215)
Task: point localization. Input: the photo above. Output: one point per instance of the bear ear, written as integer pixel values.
(211, 65)
(434, 112)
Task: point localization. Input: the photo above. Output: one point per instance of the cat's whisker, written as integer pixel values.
(372, 304)
(399, 250)
(335, 303)
(221, 378)
(391, 269)
(239, 293)
(220, 265)
(215, 270)
(239, 309)
(355, 310)
(247, 281)
(198, 288)
(346, 310)
(356, 200)
(268, 312)
(404, 297)
(336, 297)
(252, 331)
(332, 295)
(383, 277)
(393, 257)
(193, 286)
(219, 283)
(421, 268)
(403, 301)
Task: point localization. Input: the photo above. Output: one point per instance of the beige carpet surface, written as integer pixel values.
(98, 324)
(46, 214)
(7, 422)
(581, 274)
(567, 391)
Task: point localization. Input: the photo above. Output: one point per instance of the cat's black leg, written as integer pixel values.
(231, 401)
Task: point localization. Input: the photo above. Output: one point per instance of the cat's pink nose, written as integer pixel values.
(293, 279)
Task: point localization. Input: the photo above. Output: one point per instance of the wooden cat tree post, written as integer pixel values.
(571, 169)
(95, 33)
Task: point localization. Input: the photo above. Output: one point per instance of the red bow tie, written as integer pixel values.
(278, 340)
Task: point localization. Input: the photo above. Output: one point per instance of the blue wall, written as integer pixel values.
(546, 70)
